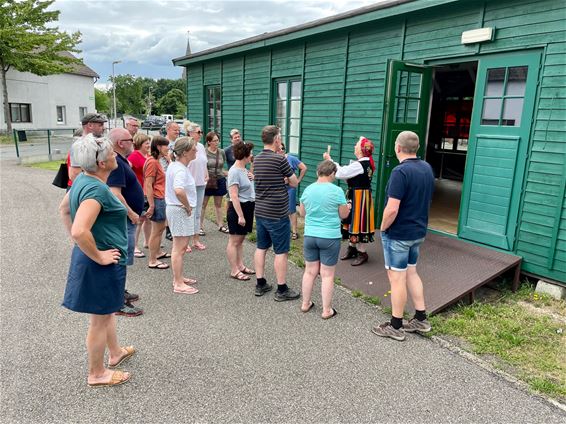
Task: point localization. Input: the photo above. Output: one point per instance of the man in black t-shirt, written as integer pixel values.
(126, 187)
(403, 229)
(271, 171)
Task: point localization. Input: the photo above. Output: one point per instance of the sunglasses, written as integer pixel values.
(199, 132)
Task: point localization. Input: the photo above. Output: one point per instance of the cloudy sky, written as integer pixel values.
(146, 35)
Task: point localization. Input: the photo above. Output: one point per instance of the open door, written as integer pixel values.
(407, 101)
(499, 137)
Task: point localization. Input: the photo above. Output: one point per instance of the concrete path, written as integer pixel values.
(222, 355)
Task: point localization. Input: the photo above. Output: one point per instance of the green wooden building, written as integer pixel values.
(483, 83)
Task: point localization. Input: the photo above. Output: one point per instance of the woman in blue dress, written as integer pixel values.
(96, 221)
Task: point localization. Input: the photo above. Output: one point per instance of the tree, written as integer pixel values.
(28, 44)
(173, 102)
(101, 101)
(129, 91)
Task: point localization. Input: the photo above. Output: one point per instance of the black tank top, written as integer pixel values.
(362, 180)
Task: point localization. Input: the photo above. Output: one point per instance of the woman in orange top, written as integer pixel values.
(137, 159)
(154, 189)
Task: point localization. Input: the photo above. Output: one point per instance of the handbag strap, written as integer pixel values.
(216, 165)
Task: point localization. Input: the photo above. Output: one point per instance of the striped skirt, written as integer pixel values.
(359, 227)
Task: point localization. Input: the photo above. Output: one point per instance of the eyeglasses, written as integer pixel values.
(128, 139)
(199, 132)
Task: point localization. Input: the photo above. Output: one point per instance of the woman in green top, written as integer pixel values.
(96, 221)
(323, 204)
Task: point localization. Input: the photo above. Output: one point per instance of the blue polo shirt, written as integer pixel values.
(125, 178)
(411, 182)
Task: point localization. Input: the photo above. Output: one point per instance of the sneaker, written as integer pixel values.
(288, 294)
(414, 325)
(261, 290)
(201, 233)
(387, 330)
(130, 297)
(129, 310)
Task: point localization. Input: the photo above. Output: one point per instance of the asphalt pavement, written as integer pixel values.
(222, 355)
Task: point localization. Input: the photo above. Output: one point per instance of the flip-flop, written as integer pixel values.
(188, 250)
(189, 281)
(248, 271)
(334, 313)
(139, 254)
(118, 377)
(188, 290)
(164, 255)
(309, 308)
(130, 350)
(199, 246)
(240, 276)
(201, 232)
(159, 265)
(223, 229)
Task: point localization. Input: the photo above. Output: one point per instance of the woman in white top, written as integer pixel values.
(181, 200)
(199, 171)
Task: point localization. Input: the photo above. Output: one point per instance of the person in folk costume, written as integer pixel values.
(359, 227)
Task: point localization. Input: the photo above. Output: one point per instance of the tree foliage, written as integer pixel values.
(101, 101)
(174, 102)
(30, 43)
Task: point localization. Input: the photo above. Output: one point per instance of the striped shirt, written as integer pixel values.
(271, 198)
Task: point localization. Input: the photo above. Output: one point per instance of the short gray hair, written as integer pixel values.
(182, 145)
(88, 151)
(408, 141)
(234, 131)
(169, 124)
(190, 126)
(326, 168)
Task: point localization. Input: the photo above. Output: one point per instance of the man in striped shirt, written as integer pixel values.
(273, 228)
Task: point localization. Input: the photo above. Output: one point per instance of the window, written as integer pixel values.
(82, 112)
(456, 124)
(287, 111)
(504, 96)
(408, 97)
(213, 109)
(20, 112)
(61, 118)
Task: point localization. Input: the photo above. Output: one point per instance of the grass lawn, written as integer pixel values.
(52, 165)
(5, 139)
(521, 333)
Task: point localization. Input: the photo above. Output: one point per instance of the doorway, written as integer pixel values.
(447, 145)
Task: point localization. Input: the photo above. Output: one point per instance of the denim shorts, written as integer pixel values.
(158, 210)
(321, 249)
(276, 232)
(131, 241)
(399, 254)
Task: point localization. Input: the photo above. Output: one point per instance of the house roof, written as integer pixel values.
(353, 17)
(79, 68)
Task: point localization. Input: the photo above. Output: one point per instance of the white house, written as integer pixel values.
(54, 101)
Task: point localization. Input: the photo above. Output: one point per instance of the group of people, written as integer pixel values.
(129, 184)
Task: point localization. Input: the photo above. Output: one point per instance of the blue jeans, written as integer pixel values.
(276, 232)
(399, 254)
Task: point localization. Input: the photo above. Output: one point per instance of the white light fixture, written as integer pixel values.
(478, 35)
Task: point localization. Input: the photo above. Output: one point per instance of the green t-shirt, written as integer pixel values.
(321, 202)
(109, 229)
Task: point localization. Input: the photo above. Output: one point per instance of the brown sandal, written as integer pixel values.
(240, 276)
(118, 377)
(130, 350)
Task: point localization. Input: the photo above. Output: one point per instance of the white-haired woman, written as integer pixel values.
(96, 221)
(181, 200)
(199, 171)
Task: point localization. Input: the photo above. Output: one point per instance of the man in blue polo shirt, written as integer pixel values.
(403, 229)
(126, 187)
(271, 171)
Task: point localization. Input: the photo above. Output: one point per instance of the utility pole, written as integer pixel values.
(114, 89)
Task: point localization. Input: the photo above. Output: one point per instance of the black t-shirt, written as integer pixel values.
(125, 178)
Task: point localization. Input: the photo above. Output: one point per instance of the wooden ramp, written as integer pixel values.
(451, 270)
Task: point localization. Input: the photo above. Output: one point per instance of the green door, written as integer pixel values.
(497, 150)
(407, 101)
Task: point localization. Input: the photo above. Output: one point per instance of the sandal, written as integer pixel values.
(139, 254)
(159, 265)
(118, 377)
(129, 353)
(199, 246)
(332, 315)
(164, 255)
(294, 236)
(189, 281)
(224, 229)
(248, 271)
(185, 290)
(189, 250)
(201, 232)
(240, 276)
(309, 308)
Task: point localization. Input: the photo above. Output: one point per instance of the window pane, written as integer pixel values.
(296, 109)
(294, 127)
(516, 81)
(296, 90)
(402, 83)
(293, 145)
(495, 80)
(462, 145)
(412, 111)
(400, 109)
(15, 113)
(415, 84)
(282, 90)
(491, 111)
(447, 143)
(512, 111)
(26, 116)
(282, 109)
